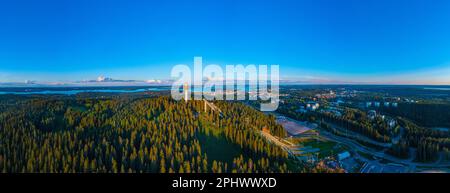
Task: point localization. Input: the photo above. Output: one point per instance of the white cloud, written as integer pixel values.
(153, 81)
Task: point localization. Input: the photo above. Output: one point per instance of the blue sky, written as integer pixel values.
(395, 41)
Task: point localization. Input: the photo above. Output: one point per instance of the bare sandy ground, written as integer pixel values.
(294, 127)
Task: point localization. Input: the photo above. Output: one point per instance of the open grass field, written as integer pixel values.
(326, 148)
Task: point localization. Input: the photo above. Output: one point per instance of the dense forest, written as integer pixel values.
(357, 121)
(352, 119)
(429, 144)
(424, 114)
(427, 141)
(123, 134)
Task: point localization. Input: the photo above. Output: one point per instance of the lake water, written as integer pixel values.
(440, 129)
(437, 88)
(68, 91)
(76, 90)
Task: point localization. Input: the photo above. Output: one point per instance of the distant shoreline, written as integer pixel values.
(71, 90)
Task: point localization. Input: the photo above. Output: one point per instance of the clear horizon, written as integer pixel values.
(314, 42)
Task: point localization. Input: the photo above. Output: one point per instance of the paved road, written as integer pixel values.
(355, 146)
(351, 134)
(358, 147)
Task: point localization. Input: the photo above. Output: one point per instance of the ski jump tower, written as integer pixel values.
(186, 91)
(206, 103)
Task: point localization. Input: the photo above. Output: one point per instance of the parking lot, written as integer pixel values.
(377, 167)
